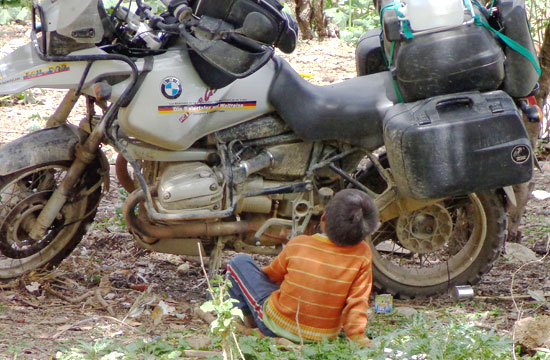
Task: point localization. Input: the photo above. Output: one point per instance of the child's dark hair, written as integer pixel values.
(351, 216)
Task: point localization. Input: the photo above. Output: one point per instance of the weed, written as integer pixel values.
(224, 307)
(111, 350)
(539, 356)
(119, 218)
(37, 122)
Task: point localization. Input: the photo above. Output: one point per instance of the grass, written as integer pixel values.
(428, 335)
(110, 350)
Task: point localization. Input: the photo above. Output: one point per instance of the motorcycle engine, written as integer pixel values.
(193, 186)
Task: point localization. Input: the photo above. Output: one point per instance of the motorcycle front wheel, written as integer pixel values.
(22, 196)
(431, 250)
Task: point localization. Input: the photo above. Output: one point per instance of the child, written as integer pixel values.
(318, 283)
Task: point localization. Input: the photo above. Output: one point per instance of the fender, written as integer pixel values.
(45, 147)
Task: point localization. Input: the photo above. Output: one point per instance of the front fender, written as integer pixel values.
(51, 145)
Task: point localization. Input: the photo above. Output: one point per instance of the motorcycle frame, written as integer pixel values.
(391, 203)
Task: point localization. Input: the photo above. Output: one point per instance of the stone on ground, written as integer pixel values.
(520, 253)
(533, 333)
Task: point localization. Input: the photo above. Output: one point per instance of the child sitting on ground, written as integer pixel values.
(318, 283)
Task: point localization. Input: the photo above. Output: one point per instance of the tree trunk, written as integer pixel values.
(321, 22)
(544, 81)
(304, 16)
(310, 15)
(523, 191)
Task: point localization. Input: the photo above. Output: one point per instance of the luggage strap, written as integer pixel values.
(395, 86)
(396, 5)
(405, 24)
(512, 44)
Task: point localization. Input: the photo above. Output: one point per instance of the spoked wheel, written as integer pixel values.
(430, 250)
(22, 198)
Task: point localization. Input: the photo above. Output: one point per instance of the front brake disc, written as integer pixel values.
(15, 242)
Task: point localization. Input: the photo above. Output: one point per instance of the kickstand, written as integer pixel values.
(215, 262)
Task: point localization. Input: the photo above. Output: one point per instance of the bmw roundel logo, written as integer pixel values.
(171, 88)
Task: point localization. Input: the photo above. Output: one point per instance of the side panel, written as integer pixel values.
(174, 108)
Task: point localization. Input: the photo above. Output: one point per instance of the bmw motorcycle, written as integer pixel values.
(223, 145)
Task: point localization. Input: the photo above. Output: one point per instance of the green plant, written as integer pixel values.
(539, 17)
(37, 122)
(119, 218)
(162, 349)
(224, 307)
(353, 17)
(540, 355)
(14, 10)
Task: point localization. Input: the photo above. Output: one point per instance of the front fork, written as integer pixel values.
(85, 154)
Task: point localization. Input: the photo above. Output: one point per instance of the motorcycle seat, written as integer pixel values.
(350, 111)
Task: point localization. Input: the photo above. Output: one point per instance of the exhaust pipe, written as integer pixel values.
(191, 229)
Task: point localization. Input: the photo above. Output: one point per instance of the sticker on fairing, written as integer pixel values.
(520, 154)
(50, 70)
(171, 88)
(207, 108)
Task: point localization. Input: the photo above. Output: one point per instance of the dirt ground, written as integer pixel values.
(104, 281)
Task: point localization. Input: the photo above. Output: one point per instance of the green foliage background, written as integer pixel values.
(14, 10)
(355, 17)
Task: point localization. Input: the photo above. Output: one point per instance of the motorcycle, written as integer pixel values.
(222, 144)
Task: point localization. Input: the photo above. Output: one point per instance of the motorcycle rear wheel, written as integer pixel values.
(431, 250)
(22, 197)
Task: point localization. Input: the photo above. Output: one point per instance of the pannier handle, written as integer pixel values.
(436, 106)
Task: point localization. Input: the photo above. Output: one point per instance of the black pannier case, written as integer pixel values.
(457, 144)
(464, 58)
(369, 58)
(521, 76)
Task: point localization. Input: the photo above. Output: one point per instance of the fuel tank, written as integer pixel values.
(173, 108)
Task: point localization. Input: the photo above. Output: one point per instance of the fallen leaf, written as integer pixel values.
(156, 315)
(33, 287)
(166, 309)
(139, 287)
(144, 299)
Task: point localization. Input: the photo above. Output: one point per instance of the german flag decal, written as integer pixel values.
(206, 108)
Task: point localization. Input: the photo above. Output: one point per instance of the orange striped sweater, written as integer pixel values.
(326, 284)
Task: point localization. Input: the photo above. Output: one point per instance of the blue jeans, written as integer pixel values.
(252, 287)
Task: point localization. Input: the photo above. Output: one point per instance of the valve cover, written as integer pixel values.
(191, 186)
